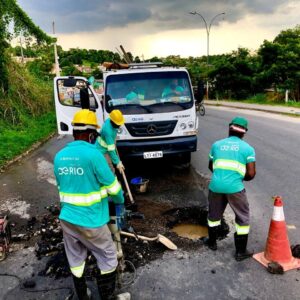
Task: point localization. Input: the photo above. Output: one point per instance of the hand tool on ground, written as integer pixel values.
(160, 238)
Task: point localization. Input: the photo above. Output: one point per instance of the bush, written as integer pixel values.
(27, 95)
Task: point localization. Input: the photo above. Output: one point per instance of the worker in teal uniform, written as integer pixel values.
(173, 89)
(108, 135)
(136, 93)
(232, 161)
(84, 181)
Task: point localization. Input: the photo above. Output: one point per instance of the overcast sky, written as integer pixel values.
(163, 27)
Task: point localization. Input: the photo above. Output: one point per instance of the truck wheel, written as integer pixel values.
(201, 110)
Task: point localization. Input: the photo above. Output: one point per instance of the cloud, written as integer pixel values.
(155, 15)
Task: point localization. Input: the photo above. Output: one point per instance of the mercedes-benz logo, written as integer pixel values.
(151, 129)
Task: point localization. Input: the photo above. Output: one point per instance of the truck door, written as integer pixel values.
(72, 94)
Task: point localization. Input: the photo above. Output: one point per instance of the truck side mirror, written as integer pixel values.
(70, 82)
(84, 98)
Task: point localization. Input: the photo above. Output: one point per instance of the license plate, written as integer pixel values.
(154, 154)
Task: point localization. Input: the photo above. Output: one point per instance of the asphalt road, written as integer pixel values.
(185, 274)
(276, 140)
(205, 274)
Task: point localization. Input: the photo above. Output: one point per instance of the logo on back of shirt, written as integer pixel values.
(77, 171)
(231, 148)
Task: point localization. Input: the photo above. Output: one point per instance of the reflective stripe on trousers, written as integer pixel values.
(213, 223)
(78, 271)
(108, 271)
(242, 230)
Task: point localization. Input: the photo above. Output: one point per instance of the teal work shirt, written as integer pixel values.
(84, 181)
(107, 141)
(137, 94)
(168, 91)
(229, 157)
(132, 96)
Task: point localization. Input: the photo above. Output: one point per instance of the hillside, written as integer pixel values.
(26, 112)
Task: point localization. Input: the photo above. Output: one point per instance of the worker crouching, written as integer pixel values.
(231, 161)
(84, 181)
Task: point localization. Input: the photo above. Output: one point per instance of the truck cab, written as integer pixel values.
(157, 103)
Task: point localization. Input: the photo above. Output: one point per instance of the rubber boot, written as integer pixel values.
(240, 242)
(81, 288)
(106, 285)
(211, 241)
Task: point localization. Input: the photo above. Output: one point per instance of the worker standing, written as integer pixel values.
(108, 135)
(231, 160)
(84, 181)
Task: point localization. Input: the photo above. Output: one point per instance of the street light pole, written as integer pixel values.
(207, 27)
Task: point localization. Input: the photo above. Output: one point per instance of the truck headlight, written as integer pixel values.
(183, 126)
(191, 124)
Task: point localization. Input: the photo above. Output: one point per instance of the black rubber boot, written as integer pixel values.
(81, 288)
(106, 285)
(211, 241)
(240, 242)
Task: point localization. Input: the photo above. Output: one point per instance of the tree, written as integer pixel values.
(280, 61)
(11, 13)
(233, 75)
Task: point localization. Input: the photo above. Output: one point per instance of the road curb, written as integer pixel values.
(27, 152)
(296, 115)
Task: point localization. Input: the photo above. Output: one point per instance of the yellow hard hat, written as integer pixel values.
(117, 117)
(85, 119)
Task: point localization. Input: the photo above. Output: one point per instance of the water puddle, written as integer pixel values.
(190, 231)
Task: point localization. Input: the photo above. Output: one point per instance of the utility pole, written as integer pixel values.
(207, 27)
(57, 72)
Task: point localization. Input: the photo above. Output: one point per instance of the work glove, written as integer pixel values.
(120, 216)
(120, 167)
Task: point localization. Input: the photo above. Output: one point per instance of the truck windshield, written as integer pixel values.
(150, 92)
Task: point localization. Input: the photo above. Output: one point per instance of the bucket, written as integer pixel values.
(139, 184)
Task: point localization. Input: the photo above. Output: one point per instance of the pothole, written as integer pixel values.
(190, 231)
(191, 223)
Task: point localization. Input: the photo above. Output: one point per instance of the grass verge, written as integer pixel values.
(18, 138)
(266, 102)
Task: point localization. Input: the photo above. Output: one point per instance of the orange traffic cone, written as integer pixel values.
(278, 246)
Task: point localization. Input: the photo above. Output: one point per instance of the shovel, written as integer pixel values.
(160, 238)
(133, 205)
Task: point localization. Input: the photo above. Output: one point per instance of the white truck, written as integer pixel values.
(157, 102)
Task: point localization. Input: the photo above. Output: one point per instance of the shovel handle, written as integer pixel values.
(127, 187)
(126, 183)
(145, 238)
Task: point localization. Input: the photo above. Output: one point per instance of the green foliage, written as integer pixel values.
(27, 95)
(97, 74)
(26, 111)
(280, 62)
(71, 70)
(17, 139)
(79, 56)
(11, 13)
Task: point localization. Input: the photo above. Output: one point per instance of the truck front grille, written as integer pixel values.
(151, 128)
